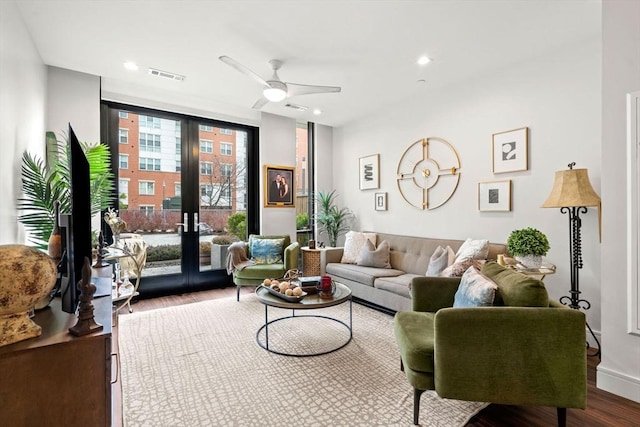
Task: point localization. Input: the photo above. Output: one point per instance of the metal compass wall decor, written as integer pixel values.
(428, 173)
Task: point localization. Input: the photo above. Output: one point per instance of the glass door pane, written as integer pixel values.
(150, 186)
(222, 188)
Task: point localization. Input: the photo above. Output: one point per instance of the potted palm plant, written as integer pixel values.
(332, 220)
(44, 183)
(528, 246)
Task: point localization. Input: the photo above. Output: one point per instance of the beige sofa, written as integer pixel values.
(390, 287)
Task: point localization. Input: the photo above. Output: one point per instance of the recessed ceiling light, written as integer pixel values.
(317, 111)
(132, 66)
(421, 81)
(424, 60)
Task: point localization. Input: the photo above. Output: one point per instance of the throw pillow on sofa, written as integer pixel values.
(441, 259)
(458, 268)
(354, 241)
(374, 257)
(473, 249)
(266, 251)
(475, 290)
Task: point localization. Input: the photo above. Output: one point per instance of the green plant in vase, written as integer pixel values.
(332, 220)
(528, 246)
(44, 183)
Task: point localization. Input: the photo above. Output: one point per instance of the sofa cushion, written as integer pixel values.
(266, 251)
(516, 289)
(415, 331)
(260, 271)
(441, 259)
(370, 256)
(475, 290)
(473, 249)
(364, 275)
(354, 241)
(400, 285)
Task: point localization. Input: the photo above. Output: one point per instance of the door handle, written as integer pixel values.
(185, 224)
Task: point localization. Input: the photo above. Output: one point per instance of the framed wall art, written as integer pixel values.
(494, 196)
(369, 172)
(381, 201)
(510, 150)
(279, 186)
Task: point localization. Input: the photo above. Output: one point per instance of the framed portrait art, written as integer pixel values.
(494, 196)
(381, 201)
(509, 150)
(369, 172)
(279, 186)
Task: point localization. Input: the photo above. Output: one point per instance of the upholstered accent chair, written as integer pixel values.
(523, 350)
(253, 275)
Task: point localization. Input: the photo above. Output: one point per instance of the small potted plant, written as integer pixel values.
(205, 253)
(219, 248)
(528, 246)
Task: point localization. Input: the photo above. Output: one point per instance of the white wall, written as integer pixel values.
(324, 171)
(277, 147)
(557, 96)
(23, 81)
(619, 371)
(74, 98)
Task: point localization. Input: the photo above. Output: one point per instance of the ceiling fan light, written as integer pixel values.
(274, 94)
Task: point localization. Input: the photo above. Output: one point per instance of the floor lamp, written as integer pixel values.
(572, 193)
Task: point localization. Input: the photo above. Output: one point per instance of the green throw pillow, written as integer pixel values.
(266, 251)
(516, 289)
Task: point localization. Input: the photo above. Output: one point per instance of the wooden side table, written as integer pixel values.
(312, 261)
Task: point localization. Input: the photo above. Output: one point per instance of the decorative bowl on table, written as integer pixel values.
(284, 290)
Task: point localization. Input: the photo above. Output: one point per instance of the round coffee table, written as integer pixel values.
(310, 302)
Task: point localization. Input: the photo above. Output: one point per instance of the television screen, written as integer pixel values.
(77, 224)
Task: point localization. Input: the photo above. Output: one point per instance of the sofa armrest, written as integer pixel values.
(433, 293)
(329, 255)
(512, 355)
(291, 254)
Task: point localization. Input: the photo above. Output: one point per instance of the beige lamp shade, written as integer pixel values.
(572, 188)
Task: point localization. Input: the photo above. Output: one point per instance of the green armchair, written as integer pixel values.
(253, 275)
(524, 350)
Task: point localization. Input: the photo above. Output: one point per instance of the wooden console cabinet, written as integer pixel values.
(57, 379)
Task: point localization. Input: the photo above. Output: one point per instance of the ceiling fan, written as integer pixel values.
(275, 90)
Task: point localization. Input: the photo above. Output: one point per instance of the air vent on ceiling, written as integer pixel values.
(166, 74)
(296, 107)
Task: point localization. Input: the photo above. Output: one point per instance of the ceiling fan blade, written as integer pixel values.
(260, 103)
(294, 89)
(244, 70)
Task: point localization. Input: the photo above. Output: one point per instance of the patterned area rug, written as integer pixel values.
(200, 365)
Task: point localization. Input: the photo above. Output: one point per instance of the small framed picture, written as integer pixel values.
(369, 172)
(279, 186)
(509, 150)
(381, 201)
(494, 196)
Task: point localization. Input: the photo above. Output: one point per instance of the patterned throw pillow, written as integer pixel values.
(457, 269)
(473, 249)
(354, 241)
(374, 257)
(441, 259)
(266, 251)
(475, 290)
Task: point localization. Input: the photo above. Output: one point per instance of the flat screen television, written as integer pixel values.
(76, 225)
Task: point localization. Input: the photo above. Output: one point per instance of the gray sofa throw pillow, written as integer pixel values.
(440, 260)
(374, 257)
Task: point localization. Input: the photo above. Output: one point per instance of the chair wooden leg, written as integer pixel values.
(237, 293)
(562, 417)
(416, 405)
(401, 365)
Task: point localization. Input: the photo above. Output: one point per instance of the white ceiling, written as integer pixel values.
(369, 48)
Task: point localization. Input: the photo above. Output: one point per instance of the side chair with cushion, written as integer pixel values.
(271, 256)
(521, 349)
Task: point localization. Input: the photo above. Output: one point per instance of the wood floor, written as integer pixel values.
(603, 408)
